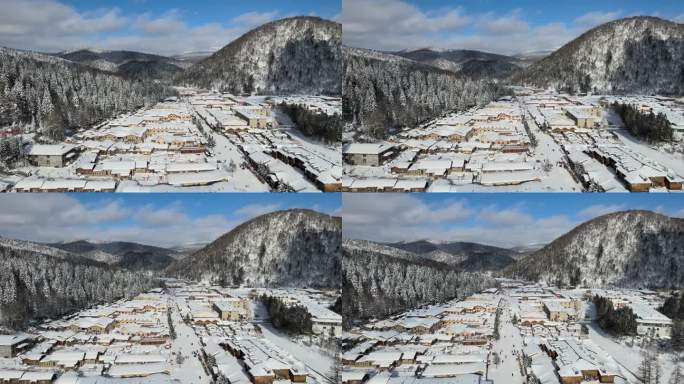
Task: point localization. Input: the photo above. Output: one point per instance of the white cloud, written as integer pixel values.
(504, 25)
(253, 210)
(400, 217)
(396, 24)
(51, 26)
(254, 19)
(592, 19)
(679, 18)
(599, 210)
(505, 217)
(58, 217)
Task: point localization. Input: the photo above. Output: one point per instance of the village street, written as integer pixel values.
(507, 347)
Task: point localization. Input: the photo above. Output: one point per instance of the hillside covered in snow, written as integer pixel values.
(55, 94)
(642, 55)
(633, 249)
(383, 91)
(474, 64)
(466, 256)
(292, 55)
(128, 64)
(377, 284)
(40, 281)
(292, 248)
(131, 256)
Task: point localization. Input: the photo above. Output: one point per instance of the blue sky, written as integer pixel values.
(155, 26)
(165, 219)
(505, 27)
(502, 219)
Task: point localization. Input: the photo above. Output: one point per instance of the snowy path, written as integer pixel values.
(673, 161)
(506, 347)
(187, 344)
(629, 358)
(242, 179)
(315, 361)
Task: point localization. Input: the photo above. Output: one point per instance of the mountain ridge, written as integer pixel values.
(641, 54)
(292, 55)
(294, 247)
(634, 249)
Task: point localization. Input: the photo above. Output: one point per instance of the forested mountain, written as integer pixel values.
(132, 256)
(128, 64)
(293, 55)
(292, 248)
(634, 55)
(475, 64)
(383, 91)
(375, 284)
(488, 69)
(34, 284)
(464, 255)
(55, 94)
(623, 249)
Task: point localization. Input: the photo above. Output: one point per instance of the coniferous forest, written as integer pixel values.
(53, 94)
(647, 126)
(34, 285)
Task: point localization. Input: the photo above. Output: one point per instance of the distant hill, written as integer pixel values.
(474, 64)
(128, 64)
(292, 55)
(635, 249)
(126, 255)
(634, 55)
(292, 248)
(463, 255)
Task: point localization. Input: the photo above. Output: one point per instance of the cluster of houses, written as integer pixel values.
(488, 146)
(126, 339)
(160, 145)
(578, 124)
(233, 346)
(445, 343)
(557, 350)
(510, 144)
(325, 322)
(325, 105)
(301, 165)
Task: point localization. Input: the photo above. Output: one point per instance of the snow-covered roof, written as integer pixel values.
(51, 149)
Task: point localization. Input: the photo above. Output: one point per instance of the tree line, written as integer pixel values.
(317, 125)
(647, 126)
(384, 93)
(34, 285)
(621, 321)
(673, 307)
(292, 318)
(51, 95)
(375, 285)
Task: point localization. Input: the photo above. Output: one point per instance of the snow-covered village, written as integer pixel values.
(514, 333)
(197, 141)
(228, 295)
(182, 333)
(534, 141)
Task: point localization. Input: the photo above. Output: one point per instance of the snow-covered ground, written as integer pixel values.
(317, 362)
(188, 345)
(508, 347)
